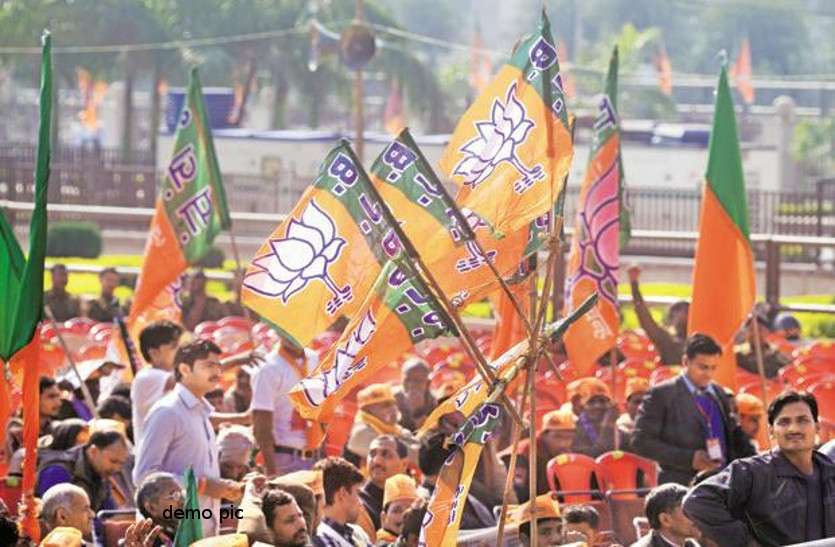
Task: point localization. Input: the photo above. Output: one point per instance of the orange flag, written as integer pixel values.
(394, 120)
(510, 328)
(511, 150)
(724, 286)
(480, 66)
(665, 71)
(741, 72)
(595, 247)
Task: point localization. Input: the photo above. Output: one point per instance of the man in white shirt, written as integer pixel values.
(178, 433)
(281, 433)
(158, 345)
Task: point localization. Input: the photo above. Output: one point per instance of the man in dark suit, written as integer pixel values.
(687, 424)
(670, 526)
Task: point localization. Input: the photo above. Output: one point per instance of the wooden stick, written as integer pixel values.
(88, 397)
(758, 352)
(614, 369)
(511, 471)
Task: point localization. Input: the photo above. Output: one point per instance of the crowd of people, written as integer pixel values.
(115, 473)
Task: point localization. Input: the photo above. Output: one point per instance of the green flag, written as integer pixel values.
(190, 528)
(191, 208)
(25, 304)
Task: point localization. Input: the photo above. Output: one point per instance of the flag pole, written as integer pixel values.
(470, 236)
(88, 397)
(758, 352)
(450, 313)
(511, 470)
(614, 370)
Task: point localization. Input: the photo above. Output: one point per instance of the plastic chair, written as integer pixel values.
(638, 367)
(824, 392)
(205, 329)
(805, 382)
(79, 325)
(10, 493)
(235, 321)
(622, 470)
(662, 374)
(114, 523)
(574, 473)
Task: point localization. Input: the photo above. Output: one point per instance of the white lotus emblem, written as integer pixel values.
(309, 246)
(497, 142)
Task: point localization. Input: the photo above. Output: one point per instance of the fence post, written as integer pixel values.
(772, 272)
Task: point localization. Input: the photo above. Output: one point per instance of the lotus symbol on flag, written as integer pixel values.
(496, 142)
(309, 246)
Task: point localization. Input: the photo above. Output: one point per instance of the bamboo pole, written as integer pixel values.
(758, 352)
(511, 470)
(88, 397)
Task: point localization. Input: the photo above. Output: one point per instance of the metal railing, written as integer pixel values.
(256, 226)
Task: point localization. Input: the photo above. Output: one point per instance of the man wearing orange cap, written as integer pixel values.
(549, 523)
(377, 415)
(595, 433)
(636, 389)
(556, 437)
(400, 492)
(751, 411)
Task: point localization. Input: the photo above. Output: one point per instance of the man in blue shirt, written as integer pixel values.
(687, 424)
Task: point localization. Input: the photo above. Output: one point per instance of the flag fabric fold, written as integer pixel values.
(511, 150)
(444, 235)
(320, 263)
(742, 74)
(190, 528)
(23, 281)
(191, 210)
(601, 228)
(443, 514)
(399, 312)
(724, 285)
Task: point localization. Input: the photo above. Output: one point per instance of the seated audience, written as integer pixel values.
(157, 493)
(670, 526)
(342, 482)
(67, 506)
(285, 519)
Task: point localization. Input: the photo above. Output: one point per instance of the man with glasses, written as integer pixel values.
(157, 498)
(178, 433)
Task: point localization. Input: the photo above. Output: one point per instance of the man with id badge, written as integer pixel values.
(687, 424)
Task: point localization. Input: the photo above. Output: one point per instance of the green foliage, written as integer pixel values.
(82, 239)
(813, 145)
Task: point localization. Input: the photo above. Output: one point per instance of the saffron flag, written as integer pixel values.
(399, 312)
(22, 284)
(444, 236)
(190, 211)
(741, 72)
(394, 119)
(512, 148)
(475, 392)
(600, 228)
(189, 529)
(480, 65)
(322, 260)
(724, 286)
(665, 71)
(443, 514)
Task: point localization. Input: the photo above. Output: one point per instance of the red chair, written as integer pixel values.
(803, 383)
(235, 321)
(773, 389)
(622, 469)
(79, 325)
(638, 367)
(10, 493)
(662, 374)
(115, 523)
(827, 430)
(605, 374)
(574, 473)
(100, 327)
(205, 329)
(824, 392)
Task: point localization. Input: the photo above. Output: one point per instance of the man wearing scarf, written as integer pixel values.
(595, 432)
(377, 415)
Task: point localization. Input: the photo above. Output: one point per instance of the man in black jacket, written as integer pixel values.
(687, 424)
(782, 497)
